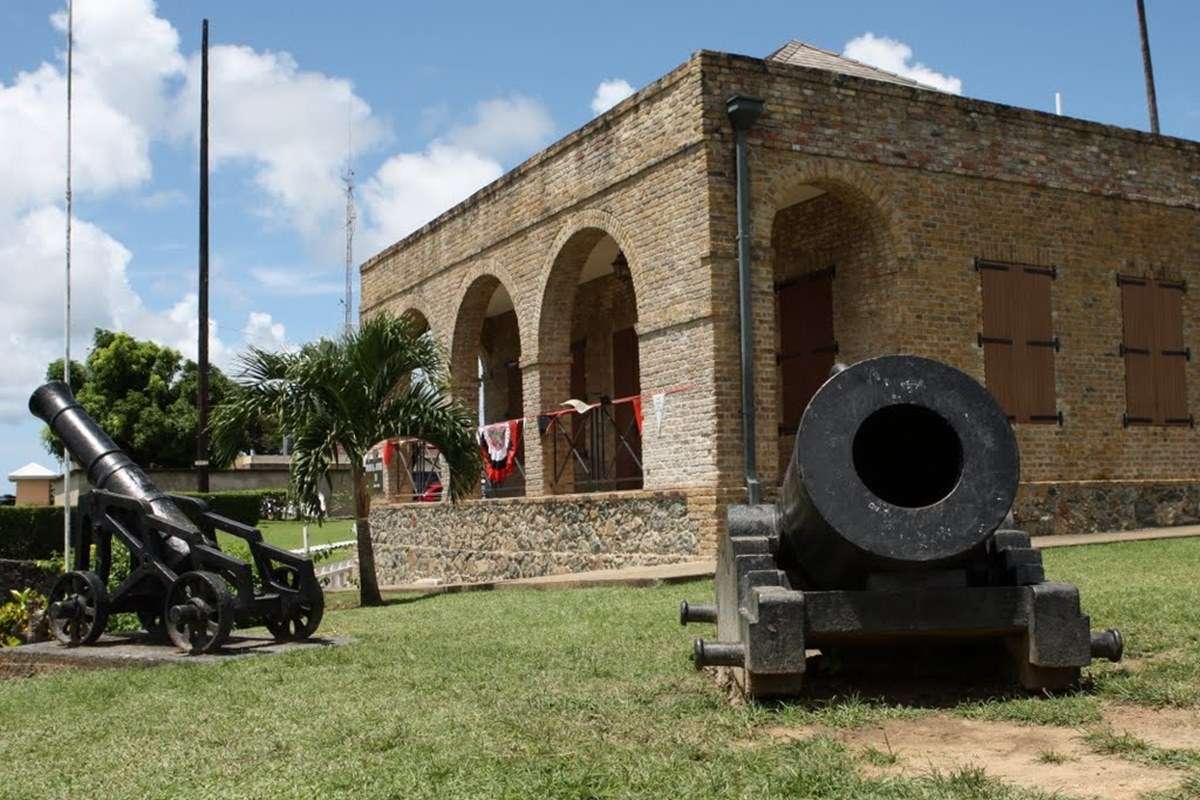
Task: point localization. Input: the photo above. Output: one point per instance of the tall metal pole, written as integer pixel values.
(65, 461)
(351, 217)
(1151, 97)
(202, 345)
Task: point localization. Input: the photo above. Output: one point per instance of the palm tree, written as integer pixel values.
(342, 396)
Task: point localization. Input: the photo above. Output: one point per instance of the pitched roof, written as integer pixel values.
(31, 471)
(802, 54)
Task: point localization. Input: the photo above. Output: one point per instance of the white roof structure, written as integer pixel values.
(32, 471)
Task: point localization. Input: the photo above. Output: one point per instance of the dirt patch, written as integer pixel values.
(1171, 728)
(1051, 759)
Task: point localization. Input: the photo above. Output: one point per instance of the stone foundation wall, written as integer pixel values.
(1047, 508)
(480, 540)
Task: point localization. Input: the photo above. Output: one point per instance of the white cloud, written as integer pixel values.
(895, 56)
(290, 124)
(128, 55)
(609, 93)
(291, 282)
(412, 188)
(263, 332)
(504, 127)
(31, 308)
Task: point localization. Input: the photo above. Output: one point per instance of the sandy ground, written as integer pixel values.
(1051, 759)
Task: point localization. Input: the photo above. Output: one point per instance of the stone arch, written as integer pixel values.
(827, 259)
(588, 350)
(477, 292)
(419, 317)
(560, 272)
(849, 182)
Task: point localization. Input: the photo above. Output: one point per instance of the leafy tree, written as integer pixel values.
(144, 395)
(339, 398)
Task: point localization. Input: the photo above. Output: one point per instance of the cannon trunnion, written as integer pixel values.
(891, 546)
(180, 584)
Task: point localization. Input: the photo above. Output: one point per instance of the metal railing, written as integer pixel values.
(602, 446)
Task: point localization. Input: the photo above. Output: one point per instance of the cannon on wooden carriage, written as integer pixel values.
(891, 546)
(180, 582)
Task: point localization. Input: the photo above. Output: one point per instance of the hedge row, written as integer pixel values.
(247, 506)
(30, 532)
(36, 532)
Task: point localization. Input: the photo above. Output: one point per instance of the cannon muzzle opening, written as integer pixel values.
(908, 455)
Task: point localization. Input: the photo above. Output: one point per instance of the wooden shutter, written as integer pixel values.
(1035, 377)
(999, 336)
(807, 348)
(1171, 354)
(1138, 349)
(1154, 351)
(1018, 340)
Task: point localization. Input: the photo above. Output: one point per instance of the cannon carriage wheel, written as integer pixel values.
(198, 612)
(78, 608)
(301, 621)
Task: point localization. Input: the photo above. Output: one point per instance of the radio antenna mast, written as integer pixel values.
(351, 217)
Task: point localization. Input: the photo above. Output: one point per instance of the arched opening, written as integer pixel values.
(829, 242)
(485, 370)
(404, 468)
(418, 320)
(588, 339)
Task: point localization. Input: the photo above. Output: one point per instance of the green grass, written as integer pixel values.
(288, 534)
(524, 694)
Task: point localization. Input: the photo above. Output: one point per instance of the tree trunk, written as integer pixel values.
(368, 583)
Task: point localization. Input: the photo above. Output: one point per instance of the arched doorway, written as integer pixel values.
(485, 372)
(830, 245)
(589, 346)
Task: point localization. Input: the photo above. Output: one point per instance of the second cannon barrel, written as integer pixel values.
(900, 463)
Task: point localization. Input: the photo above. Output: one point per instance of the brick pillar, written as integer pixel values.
(546, 385)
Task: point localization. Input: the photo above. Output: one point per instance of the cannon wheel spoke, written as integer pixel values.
(78, 608)
(303, 618)
(198, 612)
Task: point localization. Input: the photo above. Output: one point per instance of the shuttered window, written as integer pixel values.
(1154, 351)
(1018, 340)
(807, 348)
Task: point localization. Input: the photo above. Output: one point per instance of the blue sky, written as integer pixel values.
(443, 97)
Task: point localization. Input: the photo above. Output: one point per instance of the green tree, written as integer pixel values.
(144, 395)
(339, 398)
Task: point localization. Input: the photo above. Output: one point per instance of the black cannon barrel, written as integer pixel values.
(107, 466)
(900, 463)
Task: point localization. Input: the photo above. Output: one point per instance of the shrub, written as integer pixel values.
(20, 617)
(247, 506)
(30, 532)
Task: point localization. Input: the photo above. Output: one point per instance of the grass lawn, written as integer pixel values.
(289, 535)
(525, 694)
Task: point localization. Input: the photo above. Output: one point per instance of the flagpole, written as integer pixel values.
(65, 461)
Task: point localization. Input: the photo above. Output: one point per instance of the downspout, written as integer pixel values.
(743, 111)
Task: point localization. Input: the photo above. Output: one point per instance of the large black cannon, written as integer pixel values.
(891, 546)
(179, 582)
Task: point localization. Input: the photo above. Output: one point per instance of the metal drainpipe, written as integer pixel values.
(743, 111)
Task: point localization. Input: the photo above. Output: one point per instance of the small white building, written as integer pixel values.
(34, 485)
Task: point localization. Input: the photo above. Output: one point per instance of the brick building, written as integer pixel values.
(1049, 257)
